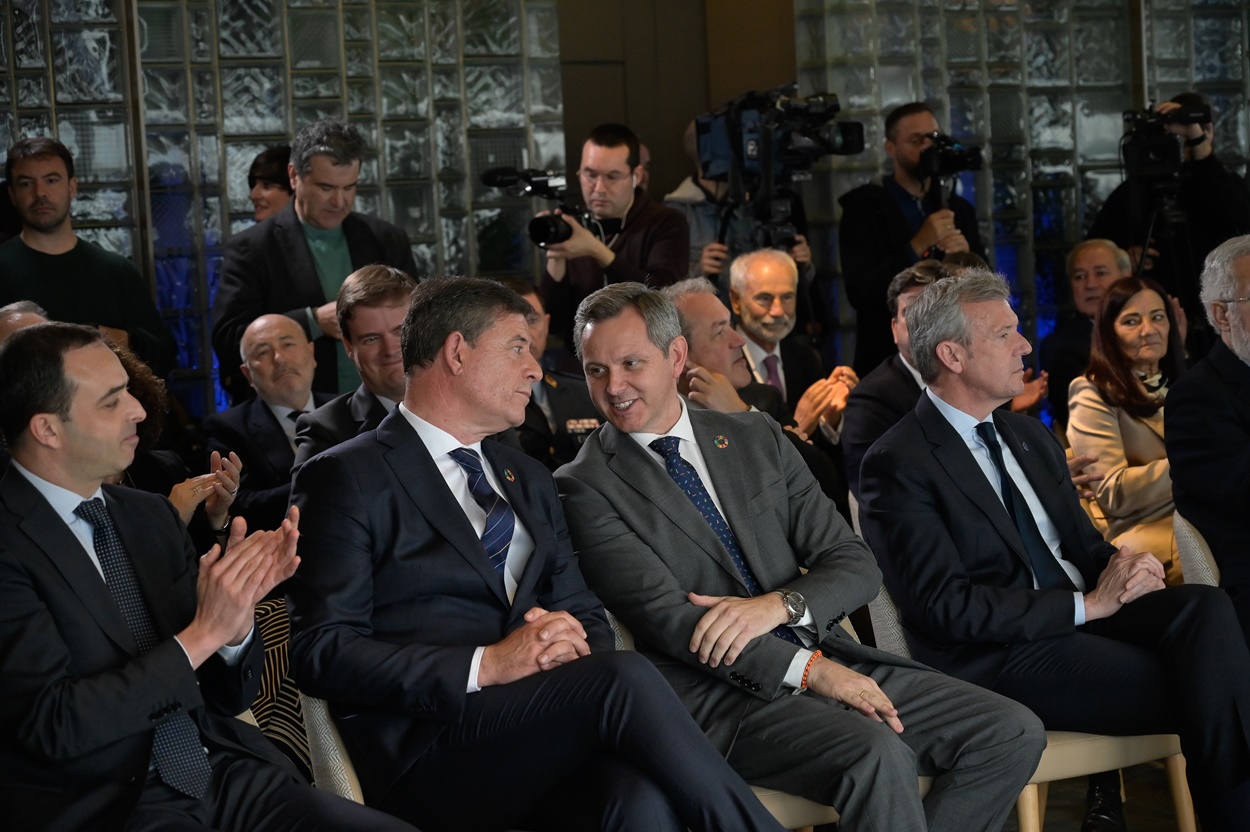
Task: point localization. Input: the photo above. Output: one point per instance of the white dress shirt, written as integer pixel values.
(966, 426)
(440, 444)
(283, 415)
(689, 449)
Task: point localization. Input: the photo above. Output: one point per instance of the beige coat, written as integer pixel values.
(1134, 499)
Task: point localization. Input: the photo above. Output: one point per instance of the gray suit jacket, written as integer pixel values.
(642, 545)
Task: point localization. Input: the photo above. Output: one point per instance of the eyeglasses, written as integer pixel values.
(610, 179)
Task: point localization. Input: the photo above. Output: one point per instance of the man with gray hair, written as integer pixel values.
(294, 262)
(1002, 580)
(707, 536)
(1207, 424)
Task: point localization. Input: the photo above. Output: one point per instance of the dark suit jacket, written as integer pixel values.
(569, 398)
(78, 704)
(950, 553)
(643, 545)
(251, 431)
(802, 368)
(269, 268)
(876, 245)
(1207, 428)
(1065, 356)
(336, 421)
(886, 395)
(394, 592)
(766, 399)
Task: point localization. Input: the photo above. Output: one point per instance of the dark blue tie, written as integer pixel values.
(687, 478)
(500, 519)
(176, 747)
(1046, 569)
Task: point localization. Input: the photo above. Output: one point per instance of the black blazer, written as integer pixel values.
(568, 398)
(251, 431)
(269, 268)
(394, 592)
(336, 421)
(886, 395)
(1064, 354)
(949, 552)
(802, 368)
(78, 704)
(1207, 425)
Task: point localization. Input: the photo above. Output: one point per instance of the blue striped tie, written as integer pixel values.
(687, 478)
(500, 519)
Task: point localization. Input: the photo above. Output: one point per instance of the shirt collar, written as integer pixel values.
(62, 500)
(437, 441)
(280, 412)
(682, 430)
(389, 404)
(914, 372)
(964, 424)
(756, 353)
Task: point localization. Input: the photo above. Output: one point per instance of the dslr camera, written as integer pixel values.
(543, 184)
(1150, 150)
(947, 157)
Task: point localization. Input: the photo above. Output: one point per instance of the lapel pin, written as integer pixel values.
(508, 475)
(1024, 445)
(721, 442)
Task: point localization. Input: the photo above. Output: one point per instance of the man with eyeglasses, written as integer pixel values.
(631, 237)
(886, 228)
(1207, 425)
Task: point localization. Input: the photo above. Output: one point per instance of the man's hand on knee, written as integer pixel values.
(1128, 576)
(855, 690)
(545, 641)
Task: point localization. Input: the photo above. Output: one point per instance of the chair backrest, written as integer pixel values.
(1197, 563)
(853, 503)
(277, 708)
(887, 627)
(332, 768)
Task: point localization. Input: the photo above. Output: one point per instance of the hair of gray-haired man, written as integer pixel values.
(1219, 275)
(690, 286)
(24, 307)
(332, 137)
(743, 262)
(657, 311)
(937, 315)
(1122, 260)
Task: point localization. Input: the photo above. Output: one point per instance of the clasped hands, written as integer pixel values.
(544, 642)
(1128, 576)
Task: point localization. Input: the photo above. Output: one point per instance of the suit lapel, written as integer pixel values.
(955, 458)
(50, 534)
(420, 478)
(728, 478)
(636, 469)
(262, 425)
(366, 409)
(153, 573)
(298, 256)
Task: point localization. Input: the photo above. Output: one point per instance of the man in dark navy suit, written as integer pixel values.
(441, 612)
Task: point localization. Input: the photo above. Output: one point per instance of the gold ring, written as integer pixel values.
(863, 694)
(197, 489)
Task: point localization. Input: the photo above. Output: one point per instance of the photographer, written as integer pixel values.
(886, 228)
(631, 238)
(1175, 218)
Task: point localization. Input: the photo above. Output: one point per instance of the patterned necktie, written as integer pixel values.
(1046, 569)
(687, 478)
(176, 747)
(500, 519)
(774, 378)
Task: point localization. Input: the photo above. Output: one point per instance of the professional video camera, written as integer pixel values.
(1150, 149)
(946, 158)
(762, 142)
(544, 184)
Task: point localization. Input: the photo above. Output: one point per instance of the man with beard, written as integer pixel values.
(886, 228)
(75, 280)
(1207, 424)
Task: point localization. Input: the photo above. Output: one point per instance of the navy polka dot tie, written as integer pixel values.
(687, 478)
(176, 747)
(500, 519)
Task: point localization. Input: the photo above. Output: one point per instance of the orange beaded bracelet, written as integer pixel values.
(808, 668)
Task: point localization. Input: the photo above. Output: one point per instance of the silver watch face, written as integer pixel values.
(795, 605)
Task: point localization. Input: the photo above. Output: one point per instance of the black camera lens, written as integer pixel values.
(549, 230)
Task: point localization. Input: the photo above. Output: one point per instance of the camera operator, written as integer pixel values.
(704, 203)
(888, 227)
(1211, 204)
(631, 236)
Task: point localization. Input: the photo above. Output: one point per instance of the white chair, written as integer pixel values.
(1068, 753)
(1197, 563)
(332, 768)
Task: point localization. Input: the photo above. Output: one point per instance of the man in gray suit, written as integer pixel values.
(706, 534)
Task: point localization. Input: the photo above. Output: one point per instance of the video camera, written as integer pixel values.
(1150, 150)
(763, 141)
(544, 184)
(946, 158)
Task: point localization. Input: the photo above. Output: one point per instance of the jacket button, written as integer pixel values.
(247, 673)
(755, 687)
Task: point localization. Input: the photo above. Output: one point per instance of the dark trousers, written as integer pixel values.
(600, 743)
(252, 795)
(1173, 661)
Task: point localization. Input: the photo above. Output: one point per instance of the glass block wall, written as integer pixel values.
(1040, 85)
(442, 89)
(63, 74)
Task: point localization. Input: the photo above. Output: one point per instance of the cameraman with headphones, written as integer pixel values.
(630, 236)
(1185, 214)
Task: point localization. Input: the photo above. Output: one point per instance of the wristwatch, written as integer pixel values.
(795, 605)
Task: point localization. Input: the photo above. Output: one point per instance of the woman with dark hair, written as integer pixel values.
(268, 182)
(1116, 416)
